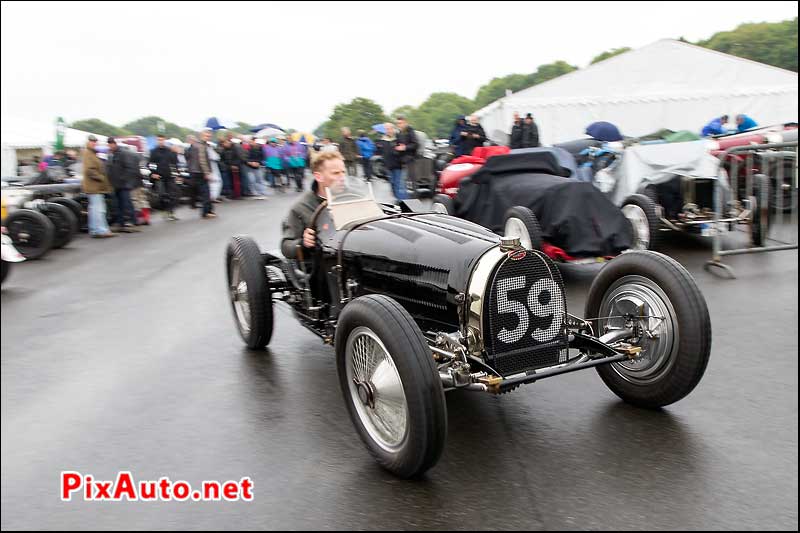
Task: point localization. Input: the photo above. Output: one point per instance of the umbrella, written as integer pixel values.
(271, 132)
(380, 128)
(215, 123)
(260, 127)
(604, 131)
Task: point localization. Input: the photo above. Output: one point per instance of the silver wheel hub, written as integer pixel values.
(638, 302)
(376, 389)
(641, 227)
(239, 297)
(516, 228)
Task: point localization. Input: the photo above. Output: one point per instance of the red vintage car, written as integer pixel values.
(466, 165)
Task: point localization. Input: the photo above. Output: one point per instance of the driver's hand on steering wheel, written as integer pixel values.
(309, 238)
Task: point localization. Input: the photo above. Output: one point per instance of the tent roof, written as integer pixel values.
(30, 134)
(664, 70)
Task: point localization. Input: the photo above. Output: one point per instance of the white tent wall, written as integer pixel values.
(667, 84)
(9, 161)
(564, 122)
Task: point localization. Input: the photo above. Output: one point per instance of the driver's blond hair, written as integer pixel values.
(319, 160)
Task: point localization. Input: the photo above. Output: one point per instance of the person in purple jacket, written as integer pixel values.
(295, 162)
(273, 163)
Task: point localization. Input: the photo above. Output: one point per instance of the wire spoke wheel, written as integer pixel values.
(239, 297)
(376, 389)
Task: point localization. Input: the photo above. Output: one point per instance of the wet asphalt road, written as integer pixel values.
(122, 355)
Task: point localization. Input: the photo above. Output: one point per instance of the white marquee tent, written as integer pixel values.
(24, 134)
(667, 84)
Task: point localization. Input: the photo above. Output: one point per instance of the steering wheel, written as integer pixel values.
(313, 225)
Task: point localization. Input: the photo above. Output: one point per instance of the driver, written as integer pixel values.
(329, 171)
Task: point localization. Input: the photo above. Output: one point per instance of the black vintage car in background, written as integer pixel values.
(419, 303)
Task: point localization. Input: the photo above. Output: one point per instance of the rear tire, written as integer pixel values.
(641, 211)
(64, 222)
(249, 292)
(391, 385)
(676, 359)
(31, 232)
(521, 222)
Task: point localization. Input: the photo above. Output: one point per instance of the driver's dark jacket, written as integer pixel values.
(296, 223)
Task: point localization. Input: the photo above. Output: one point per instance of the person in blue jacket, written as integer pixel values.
(455, 136)
(366, 149)
(715, 127)
(743, 122)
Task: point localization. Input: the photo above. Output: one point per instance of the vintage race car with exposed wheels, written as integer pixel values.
(419, 303)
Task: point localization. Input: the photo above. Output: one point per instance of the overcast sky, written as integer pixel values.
(291, 63)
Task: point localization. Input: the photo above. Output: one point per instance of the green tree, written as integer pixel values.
(320, 130)
(95, 125)
(773, 43)
(405, 110)
(437, 115)
(360, 113)
(610, 53)
(551, 71)
(496, 88)
(152, 125)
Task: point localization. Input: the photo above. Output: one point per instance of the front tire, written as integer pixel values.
(673, 362)
(521, 222)
(391, 385)
(249, 292)
(31, 232)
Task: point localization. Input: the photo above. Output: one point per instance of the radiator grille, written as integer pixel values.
(524, 326)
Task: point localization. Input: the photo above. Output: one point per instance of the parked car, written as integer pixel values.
(532, 194)
(417, 303)
(36, 222)
(670, 187)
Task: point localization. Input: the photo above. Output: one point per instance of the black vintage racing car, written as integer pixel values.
(418, 303)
